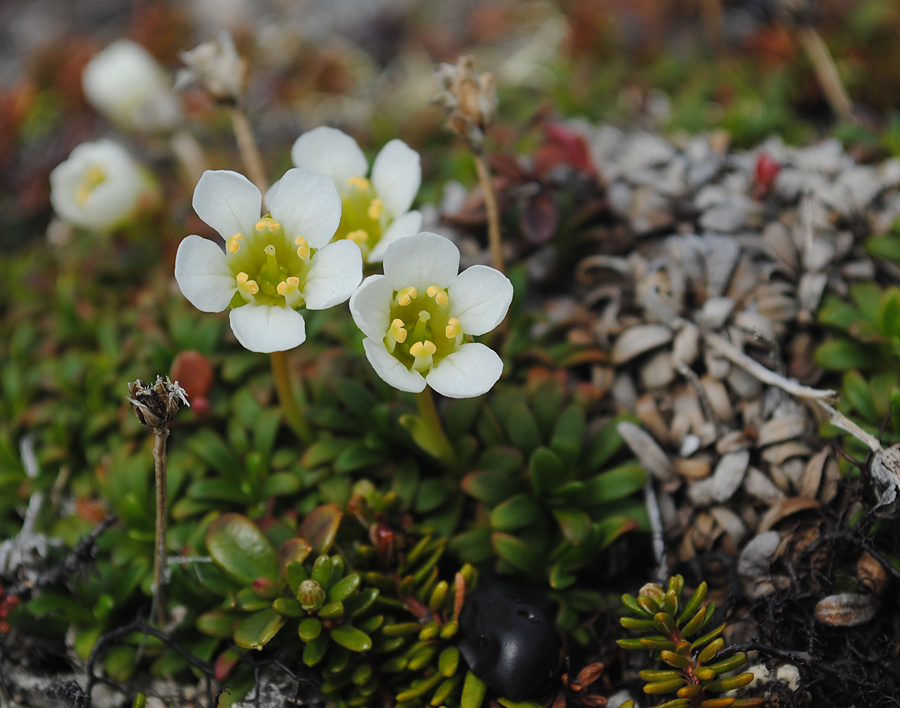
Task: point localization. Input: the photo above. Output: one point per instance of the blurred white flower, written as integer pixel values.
(125, 83)
(271, 266)
(100, 186)
(469, 100)
(375, 210)
(418, 316)
(216, 66)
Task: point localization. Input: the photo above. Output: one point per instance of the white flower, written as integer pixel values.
(271, 266)
(215, 65)
(125, 83)
(418, 316)
(99, 187)
(376, 210)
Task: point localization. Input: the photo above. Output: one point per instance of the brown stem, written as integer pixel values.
(248, 149)
(826, 73)
(159, 565)
(493, 213)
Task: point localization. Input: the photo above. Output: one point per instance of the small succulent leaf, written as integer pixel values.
(695, 623)
(660, 675)
(729, 684)
(614, 484)
(294, 550)
(351, 638)
(517, 553)
(492, 488)
(717, 703)
(257, 630)
(689, 691)
(606, 442)
(240, 550)
(843, 354)
(658, 688)
(217, 623)
(664, 622)
(547, 472)
(360, 602)
(420, 689)
(630, 644)
(215, 580)
(868, 297)
(500, 458)
(711, 650)
(575, 525)
(887, 246)
(708, 637)
(638, 625)
(320, 527)
(322, 452)
(569, 433)
(473, 692)
(443, 691)
(506, 703)
(515, 513)
(729, 664)
(694, 603)
(295, 573)
(673, 659)
(314, 651)
(310, 629)
(657, 643)
(288, 607)
(522, 428)
(560, 578)
(448, 661)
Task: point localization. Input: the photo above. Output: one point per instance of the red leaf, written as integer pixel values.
(540, 218)
(194, 374)
(764, 175)
(563, 146)
(320, 527)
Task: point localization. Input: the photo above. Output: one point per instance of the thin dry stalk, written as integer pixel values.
(159, 563)
(493, 213)
(826, 73)
(248, 148)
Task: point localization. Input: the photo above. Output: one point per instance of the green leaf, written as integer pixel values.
(606, 443)
(280, 484)
(461, 415)
(473, 692)
(314, 652)
(615, 484)
(889, 313)
(310, 629)
(240, 549)
(210, 448)
(574, 524)
(472, 546)
(120, 662)
(217, 623)
(859, 395)
(884, 247)
(357, 456)
(500, 458)
(560, 578)
(867, 296)
(257, 630)
(522, 428)
(838, 313)
(515, 513)
(489, 487)
(431, 495)
(547, 472)
(322, 452)
(343, 589)
(320, 527)
(517, 553)
(214, 579)
(568, 435)
(217, 490)
(843, 354)
(351, 638)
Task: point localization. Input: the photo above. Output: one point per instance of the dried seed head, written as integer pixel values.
(156, 405)
(469, 99)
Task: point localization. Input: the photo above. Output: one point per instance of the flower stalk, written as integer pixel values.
(493, 213)
(292, 399)
(430, 435)
(248, 148)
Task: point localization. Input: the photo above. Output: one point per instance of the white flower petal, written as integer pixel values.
(334, 273)
(396, 176)
(268, 328)
(391, 370)
(469, 371)
(407, 224)
(203, 274)
(331, 152)
(370, 306)
(227, 201)
(306, 204)
(480, 297)
(270, 195)
(421, 260)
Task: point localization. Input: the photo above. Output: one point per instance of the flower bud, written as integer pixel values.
(125, 83)
(470, 100)
(311, 595)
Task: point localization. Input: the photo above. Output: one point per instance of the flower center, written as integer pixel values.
(363, 216)
(92, 178)
(268, 267)
(421, 331)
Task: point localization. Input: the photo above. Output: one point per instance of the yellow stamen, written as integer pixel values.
(453, 328)
(439, 294)
(376, 208)
(246, 287)
(303, 250)
(273, 225)
(261, 224)
(290, 289)
(232, 244)
(359, 237)
(396, 334)
(423, 352)
(359, 182)
(91, 179)
(406, 296)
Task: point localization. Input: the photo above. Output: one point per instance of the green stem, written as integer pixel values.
(292, 400)
(433, 427)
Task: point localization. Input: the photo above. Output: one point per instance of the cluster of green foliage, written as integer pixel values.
(673, 625)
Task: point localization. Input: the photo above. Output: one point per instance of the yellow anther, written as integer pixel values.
(359, 182)
(359, 237)
(453, 328)
(290, 289)
(246, 287)
(439, 294)
(423, 352)
(376, 208)
(272, 224)
(406, 296)
(91, 179)
(396, 334)
(232, 243)
(261, 224)
(303, 250)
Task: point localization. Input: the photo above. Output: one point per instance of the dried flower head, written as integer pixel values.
(469, 99)
(156, 405)
(216, 66)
